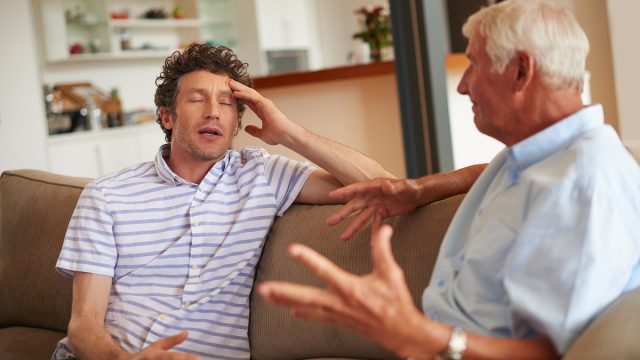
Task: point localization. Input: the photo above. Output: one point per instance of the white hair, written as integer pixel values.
(545, 29)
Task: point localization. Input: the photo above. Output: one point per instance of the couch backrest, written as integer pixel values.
(276, 335)
(35, 208)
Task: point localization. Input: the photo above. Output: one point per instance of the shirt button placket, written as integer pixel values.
(196, 240)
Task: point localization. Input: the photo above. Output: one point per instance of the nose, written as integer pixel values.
(212, 110)
(463, 85)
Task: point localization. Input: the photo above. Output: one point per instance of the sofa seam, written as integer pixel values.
(42, 181)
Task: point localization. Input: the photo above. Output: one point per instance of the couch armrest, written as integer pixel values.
(613, 335)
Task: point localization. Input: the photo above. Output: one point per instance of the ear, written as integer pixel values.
(239, 124)
(167, 118)
(525, 68)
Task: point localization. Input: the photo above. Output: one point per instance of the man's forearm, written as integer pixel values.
(91, 340)
(440, 186)
(345, 164)
(431, 337)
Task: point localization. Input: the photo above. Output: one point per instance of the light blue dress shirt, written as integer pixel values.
(546, 238)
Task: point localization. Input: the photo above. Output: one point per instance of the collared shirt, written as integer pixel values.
(546, 238)
(181, 255)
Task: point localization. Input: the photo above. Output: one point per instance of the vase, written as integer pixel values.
(375, 52)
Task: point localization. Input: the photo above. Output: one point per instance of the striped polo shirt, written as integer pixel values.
(181, 255)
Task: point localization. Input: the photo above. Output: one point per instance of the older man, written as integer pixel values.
(546, 238)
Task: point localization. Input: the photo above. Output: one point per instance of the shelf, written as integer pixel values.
(334, 74)
(155, 23)
(129, 54)
(86, 23)
(66, 23)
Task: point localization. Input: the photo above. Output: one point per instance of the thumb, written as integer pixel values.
(171, 341)
(381, 254)
(253, 130)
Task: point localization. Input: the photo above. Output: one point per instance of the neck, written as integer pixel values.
(191, 170)
(544, 109)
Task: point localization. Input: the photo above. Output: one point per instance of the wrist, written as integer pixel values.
(294, 137)
(428, 338)
(457, 345)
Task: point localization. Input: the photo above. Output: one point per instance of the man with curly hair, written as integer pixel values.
(172, 245)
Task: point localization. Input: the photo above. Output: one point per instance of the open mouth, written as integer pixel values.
(210, 131)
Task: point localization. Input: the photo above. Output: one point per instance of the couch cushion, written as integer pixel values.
(274, 334)
(21, 343)
(614, 335)
(35, 208)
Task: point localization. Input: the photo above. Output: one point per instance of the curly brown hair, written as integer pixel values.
(217, 59)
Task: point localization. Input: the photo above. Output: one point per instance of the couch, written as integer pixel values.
(35, 302)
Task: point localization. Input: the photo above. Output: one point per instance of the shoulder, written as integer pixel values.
(138, 173)
(596, 161)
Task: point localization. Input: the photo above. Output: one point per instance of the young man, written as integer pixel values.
(172, 244)
(546, 238)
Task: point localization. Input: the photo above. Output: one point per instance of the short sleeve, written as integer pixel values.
(89, 244)
(286, 177)
(563, 271)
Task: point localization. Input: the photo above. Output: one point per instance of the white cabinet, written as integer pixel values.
(94, 154)
(285, 24)
(76, 30)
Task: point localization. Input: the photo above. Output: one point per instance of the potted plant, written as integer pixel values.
(376, 30)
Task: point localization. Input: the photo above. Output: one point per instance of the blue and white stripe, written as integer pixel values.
(181, 255)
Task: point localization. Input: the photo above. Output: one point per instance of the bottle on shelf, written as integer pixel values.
(125, 39)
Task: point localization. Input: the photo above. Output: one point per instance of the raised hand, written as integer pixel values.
(378, 199)
(377, 305)
(276, 127)
(161, 349)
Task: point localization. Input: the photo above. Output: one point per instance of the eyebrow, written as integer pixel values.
(205, 91)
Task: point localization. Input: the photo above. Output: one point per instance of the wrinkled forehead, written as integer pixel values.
(204, 80)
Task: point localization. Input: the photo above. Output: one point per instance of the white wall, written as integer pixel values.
(623, 18)
(22, 119)
(338, 23)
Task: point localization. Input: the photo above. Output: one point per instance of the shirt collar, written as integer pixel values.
(552, 139)
(167, 175)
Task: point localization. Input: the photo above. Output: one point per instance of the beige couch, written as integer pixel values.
(35, 301)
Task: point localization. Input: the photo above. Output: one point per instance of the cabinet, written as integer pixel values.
(94, 154)
(77, 30)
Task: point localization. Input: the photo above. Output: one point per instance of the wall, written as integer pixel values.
(22, 122)
(594, 19)
(623, 15)
(362, 113)
(338, 23)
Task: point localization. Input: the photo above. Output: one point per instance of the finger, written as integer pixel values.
(356, 224)
(294, 295)
(353, 320)
(171, 341)
(324, 269)
(350, 191)
(381, 253)
(377, 221)
(253, 130)
(345, 211)
(240, 87)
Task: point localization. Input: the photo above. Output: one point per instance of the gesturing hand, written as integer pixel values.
(161, 349)
(378, 198)
(377, 305)
(275, 125)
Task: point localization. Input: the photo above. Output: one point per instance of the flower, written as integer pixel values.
(376, 29)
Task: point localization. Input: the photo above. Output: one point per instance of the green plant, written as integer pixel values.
(376, 30)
